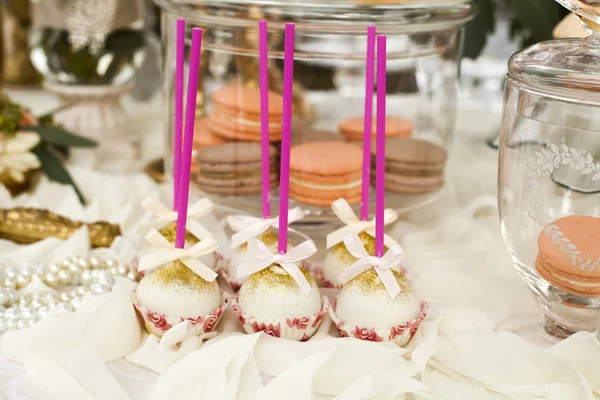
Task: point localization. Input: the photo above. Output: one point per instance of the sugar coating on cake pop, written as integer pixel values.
(338, 258)
(170, 232)
(364, 302)
(175, 290)
(273, 295)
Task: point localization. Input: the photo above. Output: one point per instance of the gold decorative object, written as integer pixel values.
(15, 23)
(29, 225)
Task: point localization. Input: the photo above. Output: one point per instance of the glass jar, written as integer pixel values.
(549, 180)
(329, 89)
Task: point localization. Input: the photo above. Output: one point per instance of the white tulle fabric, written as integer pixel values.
(459, 352)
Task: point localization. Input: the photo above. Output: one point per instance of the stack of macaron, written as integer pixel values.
(412, 166)
(353, 128)
(322, 172)
(569, 253)
(234, 168)
(236, 114)
(203, 137)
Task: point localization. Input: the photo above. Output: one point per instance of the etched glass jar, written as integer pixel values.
(549, 180)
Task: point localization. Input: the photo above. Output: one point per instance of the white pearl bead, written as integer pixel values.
(49, 297)
(10, 272)
(36, 277)
(86, 277)
(74, 269)
(42, 312)
(51, 279)
(22, 306)
(31, 322)
(2, 326)
(64, 277)
(27, 313)
(2, 311)
(36, 303)
(21, 324)
(99, 288)
(10, 313)
(12, 294)
(95, 262)
(63, 307)
(76, 302)
(26, 270)
(4, 297)
(9, 282)
(122, 270)
(75, 280)
(22, 280)
(111, 263)
(52, 303)
(114, 270)
(65, 296)
(82, 290)
(54, 268)
(83, 263)
(11, 324)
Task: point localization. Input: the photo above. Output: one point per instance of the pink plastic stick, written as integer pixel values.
(368, 127)
(188, 138)
(264, 118)
(380, 157)
(286, 127)
(177, 130)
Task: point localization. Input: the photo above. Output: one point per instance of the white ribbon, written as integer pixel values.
(382, 265)
(166, 216)
(166, 252)
(344, 212)
(247, 226)
(263, 258)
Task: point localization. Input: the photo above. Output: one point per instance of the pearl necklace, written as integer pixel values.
(82, 275)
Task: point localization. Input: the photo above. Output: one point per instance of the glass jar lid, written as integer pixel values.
(567, 69)
(333, 16)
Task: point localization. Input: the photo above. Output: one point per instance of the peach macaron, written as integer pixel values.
(353, 128)
(236, 114)
(322, 172)
(569, 254)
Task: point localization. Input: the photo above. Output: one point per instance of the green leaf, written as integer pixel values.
(477, 30)
(52, 166)
(59, 136)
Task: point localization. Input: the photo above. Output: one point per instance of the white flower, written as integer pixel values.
(15, 155)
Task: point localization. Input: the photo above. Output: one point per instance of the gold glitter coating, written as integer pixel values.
(369, 283)
(343, 255)
(170, 233)
(269, 238)
(275, 278)
(29, 225)
(176, 274)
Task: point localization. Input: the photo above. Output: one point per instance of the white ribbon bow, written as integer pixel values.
(247, 226)
(166, 216)
(382, 265)
(167, 252)
(344, 212)
(263, 258)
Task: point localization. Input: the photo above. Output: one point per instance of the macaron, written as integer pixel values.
(569, 254)
(308, 136)
(322, 172)
(204, 136)
(412, 166)
(234, 168)
(353, 128)
(236, 114)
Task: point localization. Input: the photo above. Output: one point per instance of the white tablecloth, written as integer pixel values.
(454, 255)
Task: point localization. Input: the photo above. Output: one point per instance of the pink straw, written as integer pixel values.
(380, 157)
(188, 138)
(179, 61)
(264, 118)
(286, 127)
(368, 127)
